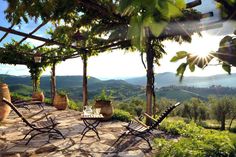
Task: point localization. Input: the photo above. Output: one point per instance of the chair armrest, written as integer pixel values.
(30, 116)
(45, 116)
(147, 115)
(140, 122)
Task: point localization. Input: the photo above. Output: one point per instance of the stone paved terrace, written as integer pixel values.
(13, 130)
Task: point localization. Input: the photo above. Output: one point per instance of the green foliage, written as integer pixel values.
(195, 141)
(121, 115)
(227, 52)
(62, 92)
(48, 100)
(134, 106)
(19, 96)
(195, 109)
(233, 138)
(104, 96)
(142, 18)
(191, 61)
(223, 108)
(163, 103)
(179, 55)
(78, 106)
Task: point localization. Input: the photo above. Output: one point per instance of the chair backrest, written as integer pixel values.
(163, 116)
(17, 112)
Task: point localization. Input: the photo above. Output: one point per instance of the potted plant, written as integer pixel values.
(103, 101)
(38, 95)
(4, 108)
(60, 100)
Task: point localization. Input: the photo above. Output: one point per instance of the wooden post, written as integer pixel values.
(33, 82)
(85, 84)
(150, 76)
(36, 84)
(53, 81)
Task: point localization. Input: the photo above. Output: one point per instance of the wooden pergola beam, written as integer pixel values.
(193, 4)
(50, 41)
(103, 11)
(35, 30)
(5, 35)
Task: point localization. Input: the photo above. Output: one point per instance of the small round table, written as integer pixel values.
(91, 121)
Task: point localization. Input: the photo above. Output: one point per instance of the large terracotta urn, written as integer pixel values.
(4, 108)
(39, 96)
(60, 101)
(106, 108)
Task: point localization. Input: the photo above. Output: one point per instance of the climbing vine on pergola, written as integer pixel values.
(99, 25)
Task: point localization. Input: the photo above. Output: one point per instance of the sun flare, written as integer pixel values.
(202, 47)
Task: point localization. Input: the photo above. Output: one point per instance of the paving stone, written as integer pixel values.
(71, 127)
(46, 149)
(107, 136)
(11, 155)
(135, 153)
(16, 149)
(14, 136)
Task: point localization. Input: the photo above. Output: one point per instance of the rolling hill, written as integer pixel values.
(73, 86)
(170, 79)
(168, 86)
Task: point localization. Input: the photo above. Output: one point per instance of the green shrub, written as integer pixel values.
(48, 100)
(233, 129)
(121, 115)
(21, 97)
(195, 141)
(134, 106)
(233, 138)
(75, 106)
(172, 128)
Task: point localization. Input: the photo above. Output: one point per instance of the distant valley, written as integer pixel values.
(167, 85)
(170, 79)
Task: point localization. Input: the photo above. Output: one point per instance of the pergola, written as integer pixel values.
(177, 29)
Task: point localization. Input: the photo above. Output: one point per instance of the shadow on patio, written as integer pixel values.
(13, 130)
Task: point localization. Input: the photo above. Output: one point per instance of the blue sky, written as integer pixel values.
(120, 63)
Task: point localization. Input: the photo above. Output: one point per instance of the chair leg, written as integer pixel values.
(122, 135)
(28, 134)
(149, 144)
(33, 137)
(58, 132)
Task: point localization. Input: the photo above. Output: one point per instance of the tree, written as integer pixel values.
(195, 109)
(147, 21)
(163, 103)
(221, 109)
(232, 112)
(138, 25)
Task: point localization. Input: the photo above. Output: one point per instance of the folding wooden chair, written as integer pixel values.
(137, 128)
(38, 126)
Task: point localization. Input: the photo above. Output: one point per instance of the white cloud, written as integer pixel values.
(34, 42)
(106, 65)
(119, 64)
(13, 70)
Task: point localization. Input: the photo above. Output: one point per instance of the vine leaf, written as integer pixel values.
(226, 67)
(179, 55)
(181, 69)
(192, 67)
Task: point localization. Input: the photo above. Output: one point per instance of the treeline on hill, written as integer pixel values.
(221, 110)
(122, 91)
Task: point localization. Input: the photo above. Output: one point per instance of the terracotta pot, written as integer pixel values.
(39, 96)
(4, 108)
(106, 108)
(60, 101)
